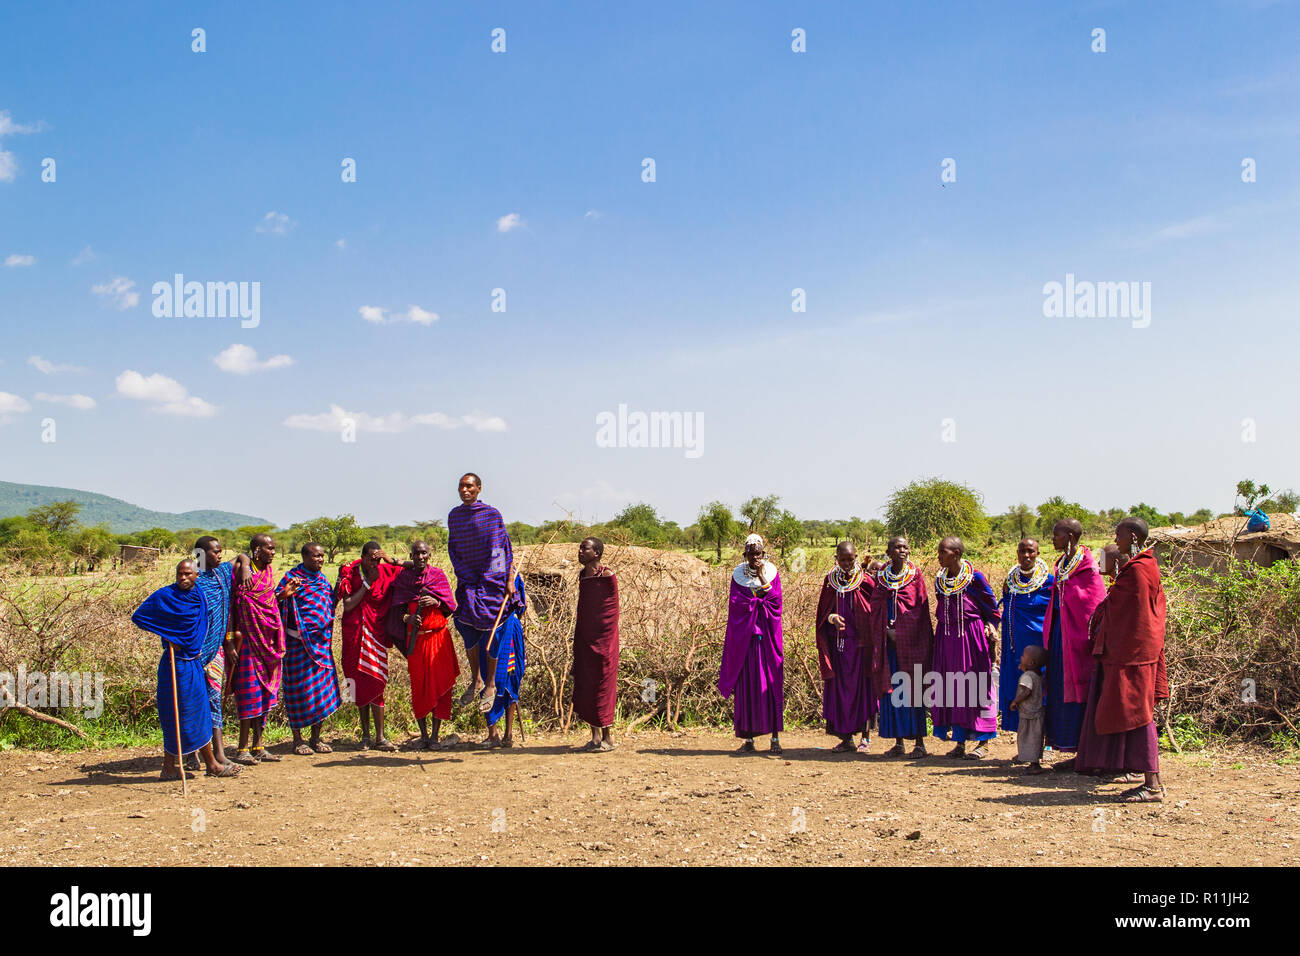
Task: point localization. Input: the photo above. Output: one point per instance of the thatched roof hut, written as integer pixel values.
(1209, 544)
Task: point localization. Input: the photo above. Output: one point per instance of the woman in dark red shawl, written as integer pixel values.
(1128, 644)
(843, 627)
(595, 646)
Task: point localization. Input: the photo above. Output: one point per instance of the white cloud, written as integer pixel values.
(275, 222)
(9, 128)
(337, 417)
(47, 367)
(378, 315)
(420, 317)
(508, 222)
(592, 214)
(19, 260)
(242, 360)
(83, 402)
(1188, 228)
(340, 243)
(118, 292)
(8, 162)
(85, 255)
(166, 394)
(12, 403)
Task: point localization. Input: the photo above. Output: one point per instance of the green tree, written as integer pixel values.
(786, 531)
(1021, 517)
(245, 534)
(58, 517)
(32, 546)
(341, 533)
(1147, 513)
(933, 508)
(640, 524)
(1056, 509)
(760, 512)
(93, 544)
(717, 524)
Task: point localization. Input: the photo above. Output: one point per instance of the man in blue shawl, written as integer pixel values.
(178, 614)
(1025, 596)
(311, 686)
(507, 651)
(214, 582)
(481, 555)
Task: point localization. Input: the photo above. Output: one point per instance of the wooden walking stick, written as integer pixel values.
(176, 712)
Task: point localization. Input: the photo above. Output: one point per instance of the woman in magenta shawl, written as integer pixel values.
(964, 640)
(1076, 593)
(752, 654)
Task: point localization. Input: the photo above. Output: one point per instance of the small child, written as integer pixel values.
(1029, 703)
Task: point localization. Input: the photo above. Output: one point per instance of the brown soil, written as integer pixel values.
(660, 798)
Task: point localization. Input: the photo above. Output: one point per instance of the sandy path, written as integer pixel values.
(660, 798)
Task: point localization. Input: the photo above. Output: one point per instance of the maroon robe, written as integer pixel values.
(1128, 638)
(595, 649)
(913, 632)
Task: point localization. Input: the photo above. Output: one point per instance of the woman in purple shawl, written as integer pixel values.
(964, 640)
(752, 655)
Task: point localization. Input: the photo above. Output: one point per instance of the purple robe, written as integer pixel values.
(481, 556)
(753, 661)
(963, 659)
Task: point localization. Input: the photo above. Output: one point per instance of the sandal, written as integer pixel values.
(246, 758)
(451, 740)
(229, 770)
(865, 746)
(957, 752)
(979, 753)
(486, 703)
(1131, 778)
(507, 743)
(169, 776)
(468, 696)
(302, 750)
(605, 746)
(387, 746)
(843, 747)
(1143, 794)
(746, 748)
(261, 753)
(774, 749)
(592, 745)
(322, 748)
(898, 750)
(919, 752)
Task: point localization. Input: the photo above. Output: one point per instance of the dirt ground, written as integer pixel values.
(660, 798)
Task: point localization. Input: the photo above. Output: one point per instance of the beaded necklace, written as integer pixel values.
(1017, 583)
(845, 583)
(903, 578)
(949, 586)
(1065, 568)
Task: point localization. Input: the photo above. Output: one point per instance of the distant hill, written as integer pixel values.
(121, 516)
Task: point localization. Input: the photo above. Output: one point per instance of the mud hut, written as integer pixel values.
(1209, 545)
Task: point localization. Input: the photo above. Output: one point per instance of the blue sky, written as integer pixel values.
(775, 170)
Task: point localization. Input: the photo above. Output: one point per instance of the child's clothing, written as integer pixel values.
(1029, 735)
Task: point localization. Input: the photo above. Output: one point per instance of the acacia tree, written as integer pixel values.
(58, 517)
(334, 534)
(786, 531)
(717, 524)
(760, 512)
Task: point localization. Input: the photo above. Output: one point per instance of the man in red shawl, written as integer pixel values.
(363, 587)
(1128, 644)
(417, 625)
(595, 646)
(843, 628)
